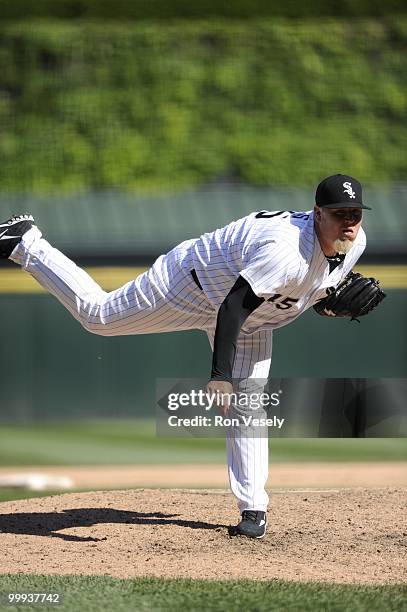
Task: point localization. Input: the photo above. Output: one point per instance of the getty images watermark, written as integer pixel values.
(185, 408)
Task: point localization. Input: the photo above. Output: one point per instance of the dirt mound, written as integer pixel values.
(346, 536)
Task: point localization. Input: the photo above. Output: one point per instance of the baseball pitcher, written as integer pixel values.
(237, 283)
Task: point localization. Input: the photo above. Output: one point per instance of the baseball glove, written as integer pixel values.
(354, 297)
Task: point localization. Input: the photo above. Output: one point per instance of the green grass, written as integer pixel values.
(103, 593)
(12, 494)
(135, 442)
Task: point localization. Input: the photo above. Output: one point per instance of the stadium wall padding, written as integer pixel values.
(53, 369)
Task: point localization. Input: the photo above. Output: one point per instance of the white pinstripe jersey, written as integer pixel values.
(278, 253)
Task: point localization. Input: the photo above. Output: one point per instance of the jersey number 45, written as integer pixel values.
(283, 304)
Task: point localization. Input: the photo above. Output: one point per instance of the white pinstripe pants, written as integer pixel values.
(247, 451)
(150, 304)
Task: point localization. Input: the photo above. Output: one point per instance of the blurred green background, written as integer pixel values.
(158, 106)
(172, 119)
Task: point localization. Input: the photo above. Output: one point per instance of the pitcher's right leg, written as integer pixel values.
(138, 307)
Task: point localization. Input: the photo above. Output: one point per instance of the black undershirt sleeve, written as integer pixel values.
(239, 303)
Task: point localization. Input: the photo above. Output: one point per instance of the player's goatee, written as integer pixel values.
(343, 246)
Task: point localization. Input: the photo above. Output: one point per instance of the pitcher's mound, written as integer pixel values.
(334, 536)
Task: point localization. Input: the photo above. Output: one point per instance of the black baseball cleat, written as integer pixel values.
(12, 231)
(252, 525)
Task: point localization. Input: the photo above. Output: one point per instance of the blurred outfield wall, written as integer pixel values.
(52, 369)
(110, 227)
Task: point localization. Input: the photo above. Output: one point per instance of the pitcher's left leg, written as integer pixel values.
(247, 448)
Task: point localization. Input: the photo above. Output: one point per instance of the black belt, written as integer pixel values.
(196, 279)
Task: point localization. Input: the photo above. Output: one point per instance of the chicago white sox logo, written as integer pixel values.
(348, 189)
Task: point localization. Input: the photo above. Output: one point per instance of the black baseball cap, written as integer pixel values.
(339, 191)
